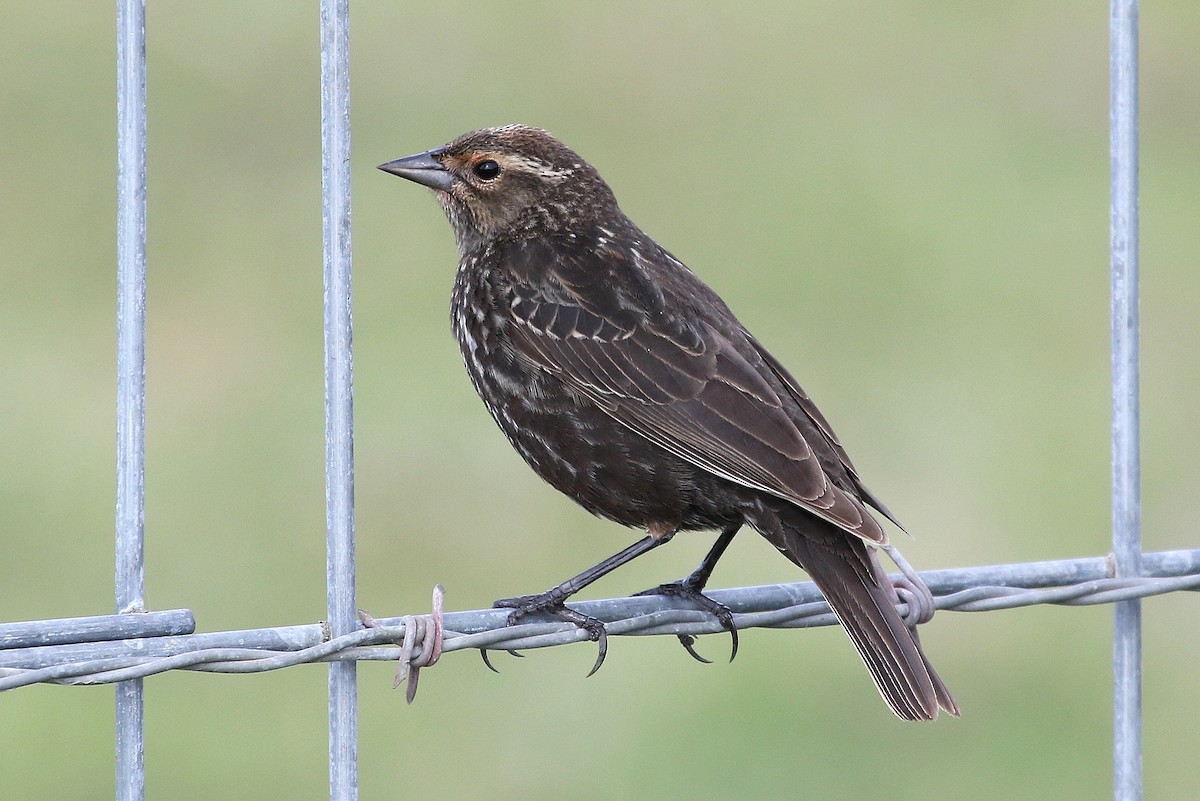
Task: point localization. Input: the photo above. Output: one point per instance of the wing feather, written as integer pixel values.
(690, 390)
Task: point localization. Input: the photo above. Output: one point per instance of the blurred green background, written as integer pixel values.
(908, 203)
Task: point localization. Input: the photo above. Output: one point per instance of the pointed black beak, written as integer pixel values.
(422, 168)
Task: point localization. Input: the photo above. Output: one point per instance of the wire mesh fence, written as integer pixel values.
(127, 647)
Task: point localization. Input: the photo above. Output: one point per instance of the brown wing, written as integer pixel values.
(814, 414)
(682, 385)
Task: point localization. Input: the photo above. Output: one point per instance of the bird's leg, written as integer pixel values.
(692, 588)
(552, 602)
(913, 590)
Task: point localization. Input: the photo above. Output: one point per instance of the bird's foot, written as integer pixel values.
(551, 603)
(688, 590)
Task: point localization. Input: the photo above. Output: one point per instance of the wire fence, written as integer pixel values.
(131, 375)
(127, 647)
(1126, 430)
(118, 648)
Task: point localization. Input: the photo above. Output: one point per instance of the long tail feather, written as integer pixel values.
(849, 575)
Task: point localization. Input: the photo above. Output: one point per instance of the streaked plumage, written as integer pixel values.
(626, 383)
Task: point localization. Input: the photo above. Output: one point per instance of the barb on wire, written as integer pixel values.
(418, 640)
(421, 645)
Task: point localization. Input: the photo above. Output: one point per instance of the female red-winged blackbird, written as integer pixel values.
(627, 384)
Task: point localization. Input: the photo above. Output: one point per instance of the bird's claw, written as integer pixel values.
(551, 603)
(600, 637)
(683, 589)
(483, 652)
(688, 642)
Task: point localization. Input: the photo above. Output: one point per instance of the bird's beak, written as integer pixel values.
(422, 168)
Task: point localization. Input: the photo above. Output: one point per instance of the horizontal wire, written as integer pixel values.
(1070, 582)
(97, 628)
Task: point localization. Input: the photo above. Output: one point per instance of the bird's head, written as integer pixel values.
(502, 181)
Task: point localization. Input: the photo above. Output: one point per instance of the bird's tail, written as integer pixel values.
(848, 572)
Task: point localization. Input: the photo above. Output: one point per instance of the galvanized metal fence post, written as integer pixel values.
(131, 372)
(1126, 466)
(339, 406)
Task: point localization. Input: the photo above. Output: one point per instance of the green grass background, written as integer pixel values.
(908, 203)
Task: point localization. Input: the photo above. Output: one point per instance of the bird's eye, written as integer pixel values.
(487, 170)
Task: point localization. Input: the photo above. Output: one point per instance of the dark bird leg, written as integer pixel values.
(552, 601)
(692, 588)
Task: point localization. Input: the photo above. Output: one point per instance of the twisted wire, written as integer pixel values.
(410, 639)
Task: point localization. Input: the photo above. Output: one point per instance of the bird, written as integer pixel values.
(627, 384)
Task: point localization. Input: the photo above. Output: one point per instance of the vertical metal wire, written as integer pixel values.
(131, 372)
(339, 406)
(1126, 467)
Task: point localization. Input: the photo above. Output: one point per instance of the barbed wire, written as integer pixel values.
(112, 648)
